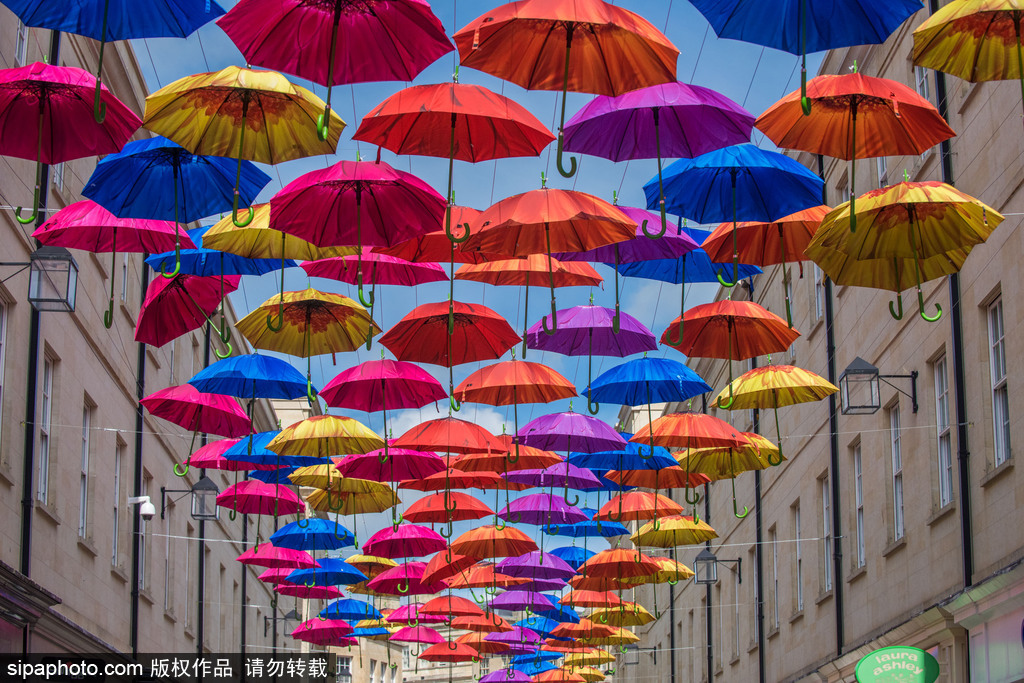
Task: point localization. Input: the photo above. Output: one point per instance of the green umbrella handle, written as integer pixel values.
(108, 315)
(805, 102)
(565, 91)
(735, 510)
(99, 109)
(39, 172)
(238, 174)
(897, 312)
(728, 404)
(661, 184)
(775, 461)
(917, 274)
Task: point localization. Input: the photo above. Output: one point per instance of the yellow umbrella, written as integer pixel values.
(259, 240)
(370, 564)
(626, 614)
(322, 436)
(330, 500)
(310, 323)
(593, 657)
(907, 224)
(725, 462)
(673, 531)
(619, 636)
(587, 673)
(976, 40)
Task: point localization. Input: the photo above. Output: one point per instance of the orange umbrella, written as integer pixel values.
(483, 575)
(450, 652)
(457, 479)
(583, 598)
(450, 605)
(619, 563)
(530, 458)
(579, 45)
(488, 623)
(744, 329)
(435, 247)
(894, 117)
(478, 641)
(636, 505)
(449, 435)
(489, 541)
(672, 477)
(446, 565)
(434, 508)
(764, 244)
(558, 676)
(516, 273)
(547, 221)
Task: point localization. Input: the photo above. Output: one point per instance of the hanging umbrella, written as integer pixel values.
(626, 615)
(637, 505)
(417, 634)
(257, 240)
(484, 126)
(488, 541)
(516, 272)
(158, 179)
(487, 623)
(619, 563)
(896, 118)
(725, 462)
(309, 323)
(449, 435)
(450, 652)
(318, 632)
(338, 43)
(743, 329)
(768, 243)
(198, 412)
(394, 465)
(350, 609)
(536, 565)
(771, 386)
(481, 643)
(209, 113)
(907, 222)
(312, 534)
(87, 225)
(383, 270)
(643, 381)
(547, 221)
(801, 27)
(408, 540)
(736, 183)
(331, 571)
(273, 557)
(322, 436)
(210, 262)
(519, 600)
(593, 330)
(178, 305)
(451, 606)
(672, 477)
(435, 247)
(483, 575)
(589, 46)
(501, 676)
(972, 41)
(253, 497)
(570, 431)
(356, 503)
(432, 509)
(370, 565)
(630, 126)
(592, 657)
(588, 529)
(38, 96)
(443, 566)
(252, 451)
(457, 479)
(561, 474)
(572, 555)
(405, 579)
(589, 598)
(381, 384)
(541, 509)
(308, 592)
(529, 458)
(113, 20)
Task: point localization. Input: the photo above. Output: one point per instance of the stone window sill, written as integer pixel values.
(895, 546)
(856, 573)
(941, 513)
(119, 573)
(796, 616)
(50, 512)
(997, 473)
(86, 544)
(823, 597)
(147, 596)
(771, 633)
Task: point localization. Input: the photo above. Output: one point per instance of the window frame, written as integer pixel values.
(21, 44)
(995, 322)
(88, 411)
(774, 540)
(826, 531)
(860, 557)
(115, 522)
(798, 572)
(882, 170)
(943, 431)
(45, 430)
(896, 464)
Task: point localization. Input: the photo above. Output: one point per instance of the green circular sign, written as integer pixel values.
(897, 664)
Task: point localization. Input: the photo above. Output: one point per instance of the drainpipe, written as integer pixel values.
(672, 626)
(140, 392)
(833, 446)
(758, 543)
(956, 321)
(201, 583)
(29, 457)
(245, 572)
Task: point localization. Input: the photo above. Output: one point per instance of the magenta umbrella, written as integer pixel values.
(305, 592)
(87, 225)
(253, 497)
(395, 464)
(417, 634)
(322, 632)
(274, 557)
(332, 43)
(353, 203)
(407, 540)
(382, 384)
(180, 304)
(275, 575)
(667, 120)
(405, 579)
(188, 407)
(536, 565)
(211, 457)
(410, 614)
(46, 114)
(381, 269)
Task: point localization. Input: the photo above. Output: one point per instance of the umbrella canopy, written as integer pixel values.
(417, 634)
(357, 503)
(449, 435)
(771, 386)
(514, 382)
(325, 435)
(483, 575)
(519, 600)
(380, 270)
(257, 240)
(637, 505)
(208, 413)
(529, 458)
(330, 572)
(90, 226)
(561, 474)
(410, 614)
(529, 271)
(251, 376)
(408, 540)
(489, 541)
(178, 305)
(450, 652)
(451, 606)
(308, 592)
(273, 557)
(643, 381)
(252, 450)
(317, 534)
(542, 509)
(380, 384)
(689, 430)
(477, 333)
(457, 479)
(488, 623)
(434, 509)
(435, 246)
(398, 464)
(253, 497)
(570, 431)
(370, 565)
(572, 555)
(445, 565)
(350, 609)
(619, 563)
(673, 531)
(536, 565)
(766, 243)
(757, 453)
(405, 579)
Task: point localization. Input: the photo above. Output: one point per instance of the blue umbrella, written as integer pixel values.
(158, 179)
(802, 26)
(738, 183)
(251, 376)
(632, 457)
(560, 613)
(534, 668)
(312, 534)
(350, 609)
(588, 529)
(105, 20)
(369, 632)
(278, 476)
(253, 449)
(643, 381)
(331, 572)
(573, 555)
(540, 655)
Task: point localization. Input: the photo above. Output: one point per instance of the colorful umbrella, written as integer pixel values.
(383, 270)
(487, 623)
(432, 509)
(381, 384)
(435, 247)
(209, 114)
(536, 565)
(322, 436)
(450, 652)
(531, 44)
(405, 579)
(542, 509)
(178, 305)
(350, 609)
(572, 555)
(529, 458)
(407, 540)
(330, 571)
(570, 431)
(308, 592)
(257, 240)
(54, 101)
(339, 42)
(312, 534)
(449, 435)
(253, 497)
(251, 376)
(198, 412)
(273, 557)
(490, 541)
(725, 462)
(483, 575)
(395, 464)
(88, 225)
(636, 505)
(898, 121)
(318, 632)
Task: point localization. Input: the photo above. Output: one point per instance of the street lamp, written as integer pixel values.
(705, 568)
(860, 388)
(53, 278)
(291, 616)
(204, 500)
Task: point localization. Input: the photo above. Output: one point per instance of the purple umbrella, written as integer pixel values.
(693, 120)
(593, 330)
(517, 636)
(501, 676)
(543, 585)
(517, 601)
(518, 648)
(561, 475)
(570, 431)
(536, 565)
(542, 509)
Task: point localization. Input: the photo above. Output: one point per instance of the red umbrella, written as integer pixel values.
(457, 479)
(450, 652)
(446, 565)
(489, 541)
(275, 575)
(449, 435)
(433, 509)
(254, 497)
(451, 606)
(394, 464)
(273, 557)
(380, 270)
(485, 623)
(178, 305)
(87, 225)
(435, 247)
(187, 407)
(405, 579)
(46, 114)
(382, 384)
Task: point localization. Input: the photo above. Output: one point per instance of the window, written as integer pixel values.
(921, 82)
(83, 475)
(858, 498)
(3, 354)
(406, 659)
(943, 432)
(485, 667)
(43, 487)
(21, 45)
(174, 343)
(882, 166)
(58, 177)
(124, 278)
(817, 292)
(774, 586)
(799, 573)
(394, 674)
(896, 451)
(168, 585)
(826, 533)
(115, 519)
(189, 580)
(373, 671)
(1000, 394)
(344, 670)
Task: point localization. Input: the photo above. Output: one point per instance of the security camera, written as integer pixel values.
(146, 508)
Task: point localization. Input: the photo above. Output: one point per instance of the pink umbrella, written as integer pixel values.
(410, 614)
(87, 225)
(396, 464)
(178, 305)
(253, 497)
(405, 579)
(276, 575)
(338, 42)
(407, 540)
(308, 592)
(380, 385)
(277, 558)
(46, 114)
(187, 407)
(211, 457)
(417, 634)
(381, 270)
(322, 632)
(357, 203)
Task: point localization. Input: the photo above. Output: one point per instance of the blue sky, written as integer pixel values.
(753, 76)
